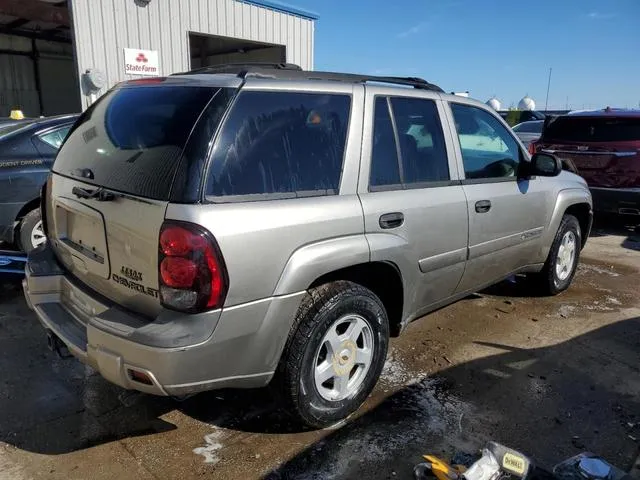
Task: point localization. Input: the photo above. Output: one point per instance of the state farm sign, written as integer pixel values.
(141, 62)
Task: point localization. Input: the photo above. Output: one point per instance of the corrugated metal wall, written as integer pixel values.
(104, 28)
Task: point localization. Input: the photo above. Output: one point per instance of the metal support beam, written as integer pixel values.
(36, 73)
(35, 11)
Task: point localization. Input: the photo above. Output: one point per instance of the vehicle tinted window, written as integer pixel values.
(132, 139)
(55, 137)
(281, 143)
(424, 155)
(422, 149)
(529, 127)
(385, 168)
(593, 129)
(489, 150)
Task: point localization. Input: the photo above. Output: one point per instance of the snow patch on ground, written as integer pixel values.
(613, 301)
(584, 267)
(211, 447)
(396, 374)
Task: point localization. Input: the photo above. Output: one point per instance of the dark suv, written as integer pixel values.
(603, 147)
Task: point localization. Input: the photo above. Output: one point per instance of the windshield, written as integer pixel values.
(132, 139)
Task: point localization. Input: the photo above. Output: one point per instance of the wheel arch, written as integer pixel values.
(584, 214)
(29, 206)
(570, 200)
(382, 278)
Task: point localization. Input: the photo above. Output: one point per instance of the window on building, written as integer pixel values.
(283, 143)
(489, 150)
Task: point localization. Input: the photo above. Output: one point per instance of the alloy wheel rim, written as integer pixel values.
(37, 235)
(566, 256)
(343, 358)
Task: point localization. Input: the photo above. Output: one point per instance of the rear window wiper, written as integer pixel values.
(99, 194)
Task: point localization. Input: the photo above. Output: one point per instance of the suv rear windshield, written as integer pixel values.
(132, 139)
(593, 129)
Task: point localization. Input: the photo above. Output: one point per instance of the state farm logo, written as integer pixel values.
(141, 62)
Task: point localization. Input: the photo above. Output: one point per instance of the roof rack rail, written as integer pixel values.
(288, 71)
(241, 69)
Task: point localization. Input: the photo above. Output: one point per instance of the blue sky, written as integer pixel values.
(490, 47)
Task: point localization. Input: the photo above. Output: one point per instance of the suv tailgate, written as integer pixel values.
(110, 246)
(114, 176)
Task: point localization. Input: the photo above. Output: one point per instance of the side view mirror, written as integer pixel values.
(545, 165)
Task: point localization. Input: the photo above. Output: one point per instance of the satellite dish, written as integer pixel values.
(95, 80)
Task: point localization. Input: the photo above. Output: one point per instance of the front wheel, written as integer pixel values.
(334, 354)
(562, 262)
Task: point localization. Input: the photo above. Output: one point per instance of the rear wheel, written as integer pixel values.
(30, 232)
(562, 262)
(334, 354)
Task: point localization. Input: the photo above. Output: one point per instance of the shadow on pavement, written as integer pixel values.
(627, 227)
(550, 402)
(52, 406)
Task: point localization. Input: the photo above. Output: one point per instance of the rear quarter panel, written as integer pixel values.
(258, 241)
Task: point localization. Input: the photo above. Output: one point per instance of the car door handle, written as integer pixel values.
(483, 206)
(391, 220)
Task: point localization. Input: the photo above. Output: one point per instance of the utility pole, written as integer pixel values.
(546, 103)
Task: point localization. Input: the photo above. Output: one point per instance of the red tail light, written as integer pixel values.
(532, 148)
(193, 277)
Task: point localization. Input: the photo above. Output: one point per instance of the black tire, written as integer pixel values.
(548, 281)
(295, 381)
(27, 224)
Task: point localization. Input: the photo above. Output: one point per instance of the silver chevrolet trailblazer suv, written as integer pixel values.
(259, 224)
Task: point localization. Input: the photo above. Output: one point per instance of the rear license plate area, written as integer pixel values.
(80, 232)
(591, 162)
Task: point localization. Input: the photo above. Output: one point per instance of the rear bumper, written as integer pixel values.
(624, 201)
(241, 351)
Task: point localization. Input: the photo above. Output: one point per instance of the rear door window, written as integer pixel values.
(417, 138)
(280, 144)
(593, 129)
(424, 155)
(132, 139)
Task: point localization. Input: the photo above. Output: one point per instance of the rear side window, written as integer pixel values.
(132, 139)
(55, 137)
(418, 138)
(593, 129)
(283, 144)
